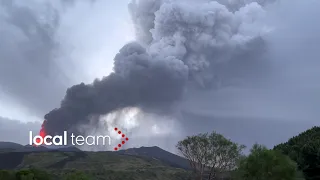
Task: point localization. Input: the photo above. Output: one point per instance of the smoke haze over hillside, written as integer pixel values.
(243, 61)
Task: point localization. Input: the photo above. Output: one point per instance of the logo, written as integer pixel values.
(62, 140)
(124, 139)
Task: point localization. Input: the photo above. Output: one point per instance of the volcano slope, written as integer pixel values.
(95, 165)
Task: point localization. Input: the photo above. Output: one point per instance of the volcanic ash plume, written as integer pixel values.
(203, 34)
(178, 42)
(138, 80)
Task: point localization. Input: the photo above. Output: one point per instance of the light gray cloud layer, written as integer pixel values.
(45, 48)
(17, 131)
(266, 97)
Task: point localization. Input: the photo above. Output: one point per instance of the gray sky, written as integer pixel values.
(266, 109)
(32, 86)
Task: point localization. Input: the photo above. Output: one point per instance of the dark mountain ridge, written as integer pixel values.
(16, 153)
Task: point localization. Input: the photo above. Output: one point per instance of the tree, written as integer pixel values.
(210, 154)
(265, 164)
(305, 150)
(76, 175)
(7, 175)
(32, 174)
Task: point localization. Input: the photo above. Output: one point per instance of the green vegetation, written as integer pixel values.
(305, 150)
(76, 175)
(26, 174)
(211, 157)
(265, 164)
(97, 166)
(210, 154)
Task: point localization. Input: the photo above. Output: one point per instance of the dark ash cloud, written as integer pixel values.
(138, 80)
(178, 42)
(227, 60)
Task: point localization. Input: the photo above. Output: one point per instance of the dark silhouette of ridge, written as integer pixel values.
(10, 145)
(15, 153)
(14, 147)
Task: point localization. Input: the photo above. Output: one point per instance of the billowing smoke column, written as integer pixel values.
(179, 43)
(138, 80)
(204, 34)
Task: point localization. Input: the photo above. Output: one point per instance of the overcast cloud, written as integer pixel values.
(16, 131)
(270, 102)
(42, 54)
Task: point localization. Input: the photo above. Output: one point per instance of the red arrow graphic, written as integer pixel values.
(124, 139)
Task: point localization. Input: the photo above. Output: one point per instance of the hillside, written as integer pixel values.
(7, 146)
(100, 165)
(304, 149)
(160, 154)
